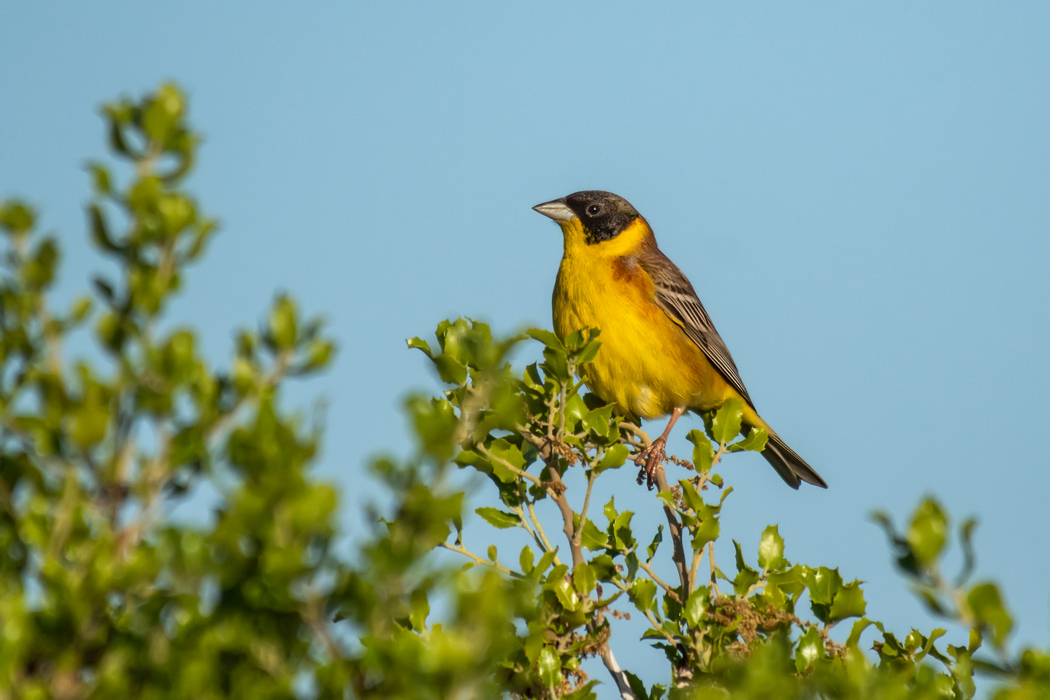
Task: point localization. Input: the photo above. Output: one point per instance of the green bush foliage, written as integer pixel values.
(104, 595)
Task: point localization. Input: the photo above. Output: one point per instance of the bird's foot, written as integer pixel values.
(652, 457)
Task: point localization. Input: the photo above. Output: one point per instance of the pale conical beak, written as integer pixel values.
(557, 210)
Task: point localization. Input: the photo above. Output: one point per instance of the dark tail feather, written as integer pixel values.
(792, 468)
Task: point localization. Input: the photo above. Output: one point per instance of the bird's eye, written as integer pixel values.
(594, 209)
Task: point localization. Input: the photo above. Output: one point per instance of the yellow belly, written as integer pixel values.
(647, 366)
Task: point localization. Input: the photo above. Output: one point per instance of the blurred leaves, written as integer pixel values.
(104, 595)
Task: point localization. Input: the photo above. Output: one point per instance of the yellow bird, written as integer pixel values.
(660, 354)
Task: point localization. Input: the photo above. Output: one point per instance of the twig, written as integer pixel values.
(568, 527)
(676, 533)
(616, 672)
(638, 432)
(510, 467)
(542, 534)
(698, 554)
(478, 560)
(525, 524)
(714, 569)
(586, 506)
(652, 574)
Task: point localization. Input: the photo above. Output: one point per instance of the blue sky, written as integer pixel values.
(858, 192)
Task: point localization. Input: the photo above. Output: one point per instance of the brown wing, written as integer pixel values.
(676, 297)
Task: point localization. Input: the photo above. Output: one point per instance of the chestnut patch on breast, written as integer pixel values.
(625, 268)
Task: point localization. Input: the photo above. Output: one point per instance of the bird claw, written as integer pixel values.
(653, 458)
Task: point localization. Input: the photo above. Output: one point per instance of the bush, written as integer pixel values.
(105, 596)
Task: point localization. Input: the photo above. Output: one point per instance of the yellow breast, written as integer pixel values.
(647, 366)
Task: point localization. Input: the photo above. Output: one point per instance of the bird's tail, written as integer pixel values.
(792, 468)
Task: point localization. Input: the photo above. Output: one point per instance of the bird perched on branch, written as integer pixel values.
(660, 354)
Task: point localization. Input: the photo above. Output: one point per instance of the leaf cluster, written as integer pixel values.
(161, 534)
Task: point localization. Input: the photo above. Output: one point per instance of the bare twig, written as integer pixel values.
(676, 532)
(543, 535)
(714, 569)
(698, 554)
(652, 574)
(586, 507)
(478, 560)
(568, 527)
(525, 524)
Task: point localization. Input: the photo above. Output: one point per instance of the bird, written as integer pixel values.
(660, 353)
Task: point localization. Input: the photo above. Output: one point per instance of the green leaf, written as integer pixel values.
(642, 593)
(986, 607)
(525, 560)
(614, 458)
(450, 369)
(655, 544)
(499, 518)
(849, 602)
(604, 567)
(754, 442)
(707, 530)
(597, 421)
(584, 692)
(622, 536)
(584, 579)
(566, 595)
(420, 610)
(966, 536)
(637, 687)
(746, 576)
(546, 337)
(823, 584)
(575, 410)
(696, 605)
(810, 649)
(854, 635)
(511, 454)
(549, 666)
(592, 538)
(771, 549)
(703, 452)
(690, 495)
(928, 532)
(283, 329)
(725, 425)
(588, 353)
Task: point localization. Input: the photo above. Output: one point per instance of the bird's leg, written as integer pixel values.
(654, 454)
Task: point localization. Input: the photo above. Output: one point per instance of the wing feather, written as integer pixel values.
(675, 296)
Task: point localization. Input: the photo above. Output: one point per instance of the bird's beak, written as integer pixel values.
(557, 210)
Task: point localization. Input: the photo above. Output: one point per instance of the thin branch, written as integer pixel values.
(638, 432)
(586, 506)
(478, 560)
(525, 524)
(510, 467)
(676, 532)
(714, 569)
(557, 493)
(698, 554)
(616, 672)
(652, 574)
(542, 534)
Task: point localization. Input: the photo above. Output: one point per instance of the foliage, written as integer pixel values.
(104, 592)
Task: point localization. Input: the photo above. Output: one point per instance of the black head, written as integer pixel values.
(604, 215)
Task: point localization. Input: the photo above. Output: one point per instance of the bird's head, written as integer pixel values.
(596, 221)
